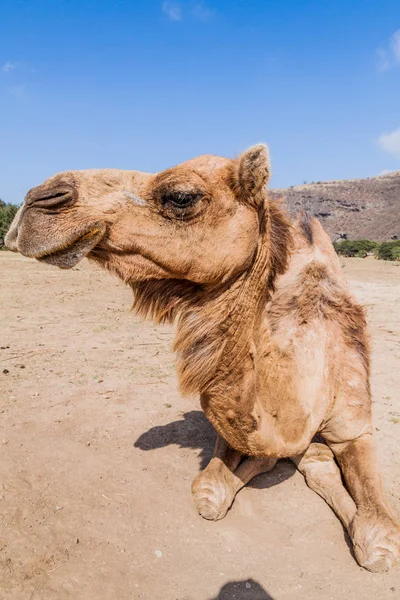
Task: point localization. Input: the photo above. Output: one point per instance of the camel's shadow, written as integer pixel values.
(194, 431)
(243, 590)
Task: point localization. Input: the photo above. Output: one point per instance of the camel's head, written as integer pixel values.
(198, 221)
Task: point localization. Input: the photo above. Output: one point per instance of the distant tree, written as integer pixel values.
(7, 214)
(361, 249)
(358, 248)
(389, 250)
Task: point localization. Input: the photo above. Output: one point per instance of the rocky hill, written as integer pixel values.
(359, 208)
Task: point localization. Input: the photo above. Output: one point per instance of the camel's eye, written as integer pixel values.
(180, 200)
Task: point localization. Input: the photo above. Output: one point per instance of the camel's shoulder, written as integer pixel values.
(313, 284)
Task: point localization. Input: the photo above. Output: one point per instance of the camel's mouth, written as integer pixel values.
(70, 253)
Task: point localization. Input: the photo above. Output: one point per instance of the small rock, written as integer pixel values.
(248, 585)
(158, 553)
(6, 371)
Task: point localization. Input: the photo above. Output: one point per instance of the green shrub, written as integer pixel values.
(389, 250)
(359, 248)
(7, 214)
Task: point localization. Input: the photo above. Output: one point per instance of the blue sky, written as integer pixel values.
(145, 85)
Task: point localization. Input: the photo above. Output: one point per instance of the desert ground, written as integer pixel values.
(98, 451)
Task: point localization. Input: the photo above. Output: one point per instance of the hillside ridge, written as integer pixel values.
(353, 208)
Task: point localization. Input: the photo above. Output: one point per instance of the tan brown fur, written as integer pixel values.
(267, 331)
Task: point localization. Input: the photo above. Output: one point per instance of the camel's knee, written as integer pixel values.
(323, 476)
(317, 465)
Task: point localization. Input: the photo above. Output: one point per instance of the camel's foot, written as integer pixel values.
(376, 540)
(216, 487)
(213, 496)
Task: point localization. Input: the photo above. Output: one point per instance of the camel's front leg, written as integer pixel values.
(215, 488)
(322, 475)
(375, 534)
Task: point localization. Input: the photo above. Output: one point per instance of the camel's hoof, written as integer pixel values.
(376, 543)
(212, 497)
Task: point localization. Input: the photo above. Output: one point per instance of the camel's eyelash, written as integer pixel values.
(180, 199)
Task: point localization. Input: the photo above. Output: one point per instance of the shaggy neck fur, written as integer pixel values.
(215, 328)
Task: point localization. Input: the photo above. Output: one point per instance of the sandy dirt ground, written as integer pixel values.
(98, 451)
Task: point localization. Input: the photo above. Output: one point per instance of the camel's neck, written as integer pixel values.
(211, 335)
(216, 335)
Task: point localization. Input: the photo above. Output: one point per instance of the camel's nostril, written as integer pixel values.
(50, 198)
(56, 195)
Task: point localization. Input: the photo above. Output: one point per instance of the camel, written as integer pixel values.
(267, 332)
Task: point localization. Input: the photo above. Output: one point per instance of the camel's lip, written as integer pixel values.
(70, 245)
(71, 252)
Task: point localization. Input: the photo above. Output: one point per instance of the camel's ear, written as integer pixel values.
(253, 173)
